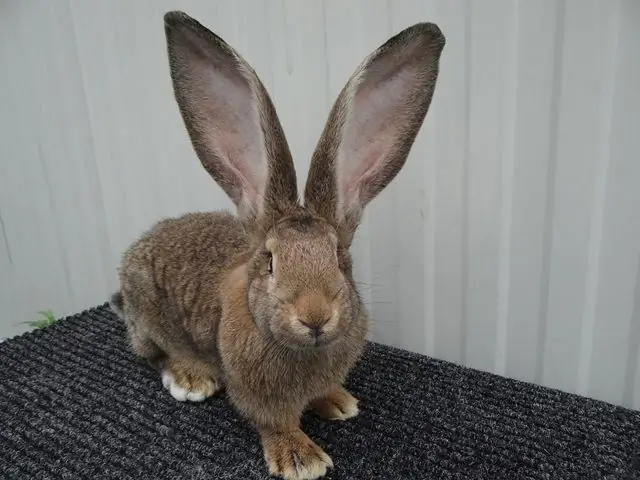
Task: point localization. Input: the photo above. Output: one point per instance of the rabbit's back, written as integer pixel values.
(170, 278)
(195, 246)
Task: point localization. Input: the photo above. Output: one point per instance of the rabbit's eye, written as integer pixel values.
(270, 264)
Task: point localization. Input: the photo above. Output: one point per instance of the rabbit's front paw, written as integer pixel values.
(294, 456)
(186, 385)
(338, 404)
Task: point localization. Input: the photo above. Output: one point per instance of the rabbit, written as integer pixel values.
(263, 303)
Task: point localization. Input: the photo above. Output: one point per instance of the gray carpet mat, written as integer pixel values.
(75, 403)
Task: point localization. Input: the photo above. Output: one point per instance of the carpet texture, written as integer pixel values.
(75, 403)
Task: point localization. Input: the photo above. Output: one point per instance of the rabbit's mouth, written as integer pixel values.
(321, 341)
(309, 343)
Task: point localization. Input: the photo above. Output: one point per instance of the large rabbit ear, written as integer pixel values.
(231, 121)
(372, 126)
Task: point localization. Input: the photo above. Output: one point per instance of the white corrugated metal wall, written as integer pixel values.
(510, 242)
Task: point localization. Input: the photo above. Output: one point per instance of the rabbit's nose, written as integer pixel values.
(313, 311)
(314, 326)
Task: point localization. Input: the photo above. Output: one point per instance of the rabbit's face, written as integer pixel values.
(300, 288)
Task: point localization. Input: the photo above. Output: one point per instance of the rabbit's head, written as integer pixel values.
(299, 278)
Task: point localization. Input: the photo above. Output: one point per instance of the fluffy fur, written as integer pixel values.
(263, 304)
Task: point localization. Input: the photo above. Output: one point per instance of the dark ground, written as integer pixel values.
(74, 403)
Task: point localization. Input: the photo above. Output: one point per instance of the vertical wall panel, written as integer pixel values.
(510, 241)
(536, 99)
(492, 37)
(450, 207)
(607, 364)
(51, 206)
(584, 109)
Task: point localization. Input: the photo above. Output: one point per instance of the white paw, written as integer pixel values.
(179, 393)
(349, 410)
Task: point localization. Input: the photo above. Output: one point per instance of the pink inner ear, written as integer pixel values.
(232, 128)
(373, 125)
(362, 169)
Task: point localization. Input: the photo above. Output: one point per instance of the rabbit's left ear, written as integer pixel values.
(372, 126)
(231, 121)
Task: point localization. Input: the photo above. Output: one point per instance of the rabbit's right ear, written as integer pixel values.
(231, 121)
(372, 126)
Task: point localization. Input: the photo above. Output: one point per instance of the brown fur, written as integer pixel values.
(197, 295)
(337, 404)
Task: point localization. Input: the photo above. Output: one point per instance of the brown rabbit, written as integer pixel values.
(264, 304)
